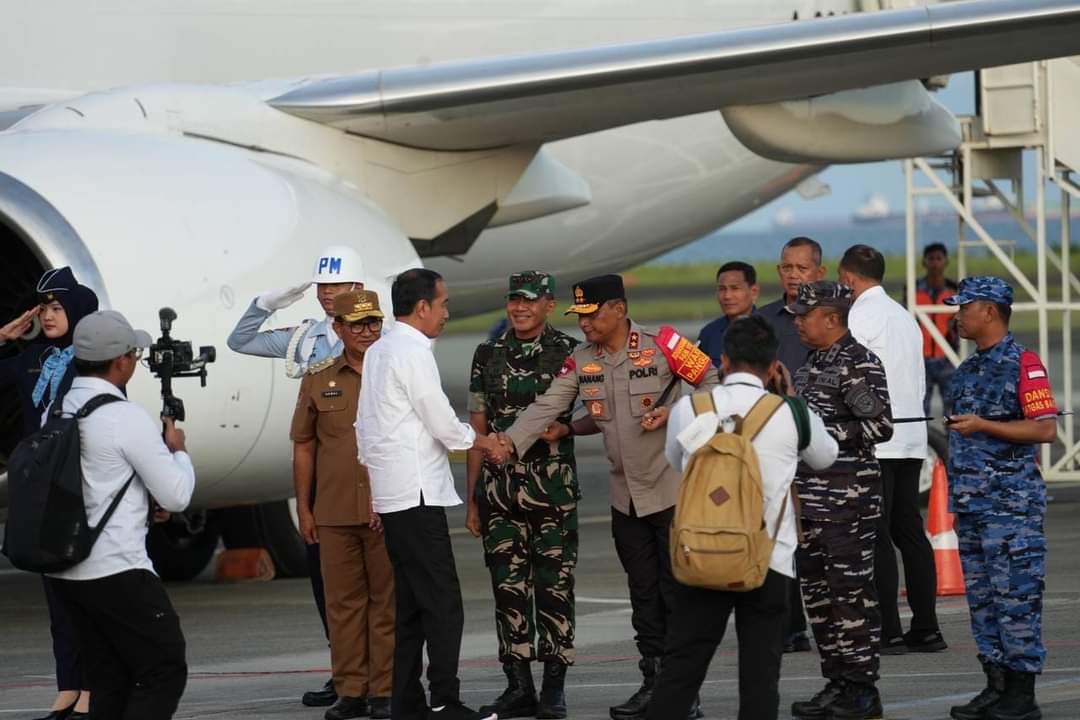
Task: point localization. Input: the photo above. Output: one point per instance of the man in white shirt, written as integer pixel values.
(888, 330)
(127, 627)
(700, 616)
(405, 427)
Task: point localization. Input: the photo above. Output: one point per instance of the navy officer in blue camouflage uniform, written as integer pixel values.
(845, 384)
(337, 270)
(1003, 408)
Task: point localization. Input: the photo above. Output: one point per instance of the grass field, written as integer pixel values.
(669, 293)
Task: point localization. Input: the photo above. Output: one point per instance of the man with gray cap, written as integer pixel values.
(127, 627)
(844, 383)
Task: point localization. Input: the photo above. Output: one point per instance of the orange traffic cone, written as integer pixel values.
(939, 523)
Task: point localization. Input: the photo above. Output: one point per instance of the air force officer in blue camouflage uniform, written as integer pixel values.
(1003, 408)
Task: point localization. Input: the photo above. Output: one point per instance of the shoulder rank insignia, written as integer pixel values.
(321, 365)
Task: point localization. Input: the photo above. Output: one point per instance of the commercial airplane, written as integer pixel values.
(192, 154)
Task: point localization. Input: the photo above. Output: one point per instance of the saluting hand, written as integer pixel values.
(281, 299)
(655, 418)
(18, 327)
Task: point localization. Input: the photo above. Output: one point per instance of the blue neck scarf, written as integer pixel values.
(52, 373)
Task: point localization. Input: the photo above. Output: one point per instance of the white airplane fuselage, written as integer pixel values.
(207, 243)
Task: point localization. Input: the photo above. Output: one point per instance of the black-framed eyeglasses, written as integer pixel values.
(369, 326)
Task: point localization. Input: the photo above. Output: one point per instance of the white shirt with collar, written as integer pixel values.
(777, 448)
(888, 330)
(116, 440)
(405, 424)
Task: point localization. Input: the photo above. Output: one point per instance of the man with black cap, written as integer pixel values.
(128, 629)
(526, 512)
(844, 383)
(621, 374)
(356, 569)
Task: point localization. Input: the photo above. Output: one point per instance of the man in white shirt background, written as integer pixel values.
(888, 330)
(135, 650)
(700, 616)
(405, 427)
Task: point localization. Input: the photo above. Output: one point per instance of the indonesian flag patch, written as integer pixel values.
(1036, 398)
(683, 357)
(568, 367)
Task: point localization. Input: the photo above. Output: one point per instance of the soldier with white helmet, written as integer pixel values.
(337, 270)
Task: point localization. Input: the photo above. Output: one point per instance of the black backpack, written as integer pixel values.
(46, 528)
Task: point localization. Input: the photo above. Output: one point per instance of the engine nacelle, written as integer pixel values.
(884, 122)
(150, 220)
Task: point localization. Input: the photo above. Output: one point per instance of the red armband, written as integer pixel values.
(1036, 398)
(683, 357)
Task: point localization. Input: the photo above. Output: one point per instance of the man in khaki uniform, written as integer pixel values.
(620, 374)
(356, 569)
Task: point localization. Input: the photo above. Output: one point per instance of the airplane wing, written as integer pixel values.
(540, 97)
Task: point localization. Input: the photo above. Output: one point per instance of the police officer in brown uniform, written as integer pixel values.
(356, 569)
(620, 374)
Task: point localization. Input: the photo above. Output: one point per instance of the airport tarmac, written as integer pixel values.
(254, 648)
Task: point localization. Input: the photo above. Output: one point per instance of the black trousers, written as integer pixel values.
(795, 620)
(696, 628)
(132, 643)
(429, 609)
(642, 546)
(902, 524)
(69, 674)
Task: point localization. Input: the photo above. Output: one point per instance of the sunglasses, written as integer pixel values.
(365, 326)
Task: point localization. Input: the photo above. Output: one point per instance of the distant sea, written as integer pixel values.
(887, 235)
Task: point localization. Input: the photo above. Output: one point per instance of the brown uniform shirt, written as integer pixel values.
(326, 411)
(617, 389)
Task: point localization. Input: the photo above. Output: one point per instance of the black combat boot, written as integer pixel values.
(552, 696)
(818, 706)
(635, 707)
(990, 696)
(1018, 702)
(519, 698)
(859, 701)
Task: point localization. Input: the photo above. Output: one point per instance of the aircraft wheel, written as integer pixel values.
(269, 525)
(182, 546)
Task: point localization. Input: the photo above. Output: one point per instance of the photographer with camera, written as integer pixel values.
(338, 269)
(128, 630)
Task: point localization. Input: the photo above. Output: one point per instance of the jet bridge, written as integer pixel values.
(1032, 108)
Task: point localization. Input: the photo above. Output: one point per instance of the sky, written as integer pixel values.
(852, 184)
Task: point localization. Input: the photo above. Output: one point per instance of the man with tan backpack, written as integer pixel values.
(734, 534)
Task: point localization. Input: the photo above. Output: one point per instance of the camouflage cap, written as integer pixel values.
(356, 305)
(823, 293)
(531, 284)
(982, 287)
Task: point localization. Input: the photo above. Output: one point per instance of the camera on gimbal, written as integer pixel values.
(171, 358)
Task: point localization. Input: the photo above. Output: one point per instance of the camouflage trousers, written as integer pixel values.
(531, 555)
(1004, 562)
(836, 569)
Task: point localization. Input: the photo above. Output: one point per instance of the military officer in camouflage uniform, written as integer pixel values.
(620, 374)
(1003, 409)
(526, 512)
(844, 383)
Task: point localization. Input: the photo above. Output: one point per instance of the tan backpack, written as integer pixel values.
(718, 537)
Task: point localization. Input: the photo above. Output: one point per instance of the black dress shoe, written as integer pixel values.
(380, 708)
(797, 642)
(896, 646)
(925, 642)
(63, 713)
(79, 716)
(347, 708)
(325, 697)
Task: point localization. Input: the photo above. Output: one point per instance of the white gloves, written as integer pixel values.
(280, 299)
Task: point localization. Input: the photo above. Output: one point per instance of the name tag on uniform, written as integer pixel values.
(828, 379)
(331, 393)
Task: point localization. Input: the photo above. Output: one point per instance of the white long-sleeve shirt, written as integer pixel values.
(777, 448)
(405, 424)
(116, 440)
(885, 328)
